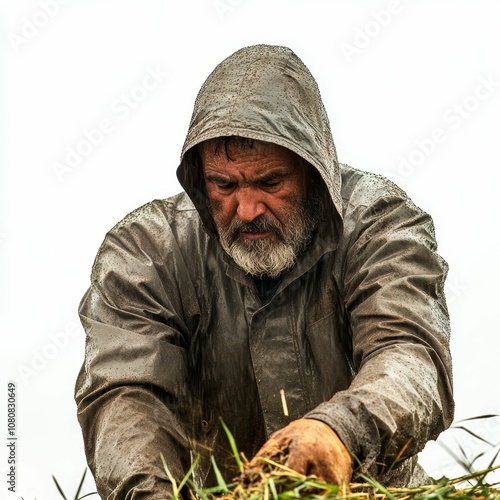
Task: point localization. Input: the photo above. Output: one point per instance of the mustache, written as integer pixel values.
(260, 224)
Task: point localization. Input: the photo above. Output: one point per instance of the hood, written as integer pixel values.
(264, 93)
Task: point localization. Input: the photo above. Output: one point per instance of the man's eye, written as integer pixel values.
(224, 186)
(270, 184)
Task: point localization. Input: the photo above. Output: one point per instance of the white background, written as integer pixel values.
(391, 73)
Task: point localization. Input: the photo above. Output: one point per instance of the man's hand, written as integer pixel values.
(309, 447)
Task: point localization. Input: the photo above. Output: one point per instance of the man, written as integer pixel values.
(299, 300)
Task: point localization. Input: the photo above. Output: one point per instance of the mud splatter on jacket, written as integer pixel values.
(356, 334)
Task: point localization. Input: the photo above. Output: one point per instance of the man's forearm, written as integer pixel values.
(125, 430)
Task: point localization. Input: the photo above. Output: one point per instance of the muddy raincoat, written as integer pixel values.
(356, 335)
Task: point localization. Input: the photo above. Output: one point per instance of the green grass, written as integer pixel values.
(76, 496)
(275, 481)
(284, 484)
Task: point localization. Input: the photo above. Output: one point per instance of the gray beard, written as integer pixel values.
(268, 257)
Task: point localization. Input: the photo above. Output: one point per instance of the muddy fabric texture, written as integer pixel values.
(356, 335)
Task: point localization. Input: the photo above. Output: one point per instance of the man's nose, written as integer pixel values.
(250, 204)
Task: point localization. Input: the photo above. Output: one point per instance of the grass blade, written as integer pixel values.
(234, 448)
(189, 473)
(272, 487)
(378, 487)
(400, 455)
(494, 459)
(80, 485)
(479, 417)
(175, 491)
(473, 475)
(196, 492)
(455, 457)
(220, 480)
(477, 436)
(59, 488)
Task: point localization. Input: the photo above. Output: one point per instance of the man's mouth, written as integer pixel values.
(258, 229)
(255, 235)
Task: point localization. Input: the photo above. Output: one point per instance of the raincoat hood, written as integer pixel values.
(264, 93)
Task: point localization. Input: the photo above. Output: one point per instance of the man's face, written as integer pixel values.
(258, 199)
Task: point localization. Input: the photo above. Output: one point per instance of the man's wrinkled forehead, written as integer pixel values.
(223, 145)
(230, 147)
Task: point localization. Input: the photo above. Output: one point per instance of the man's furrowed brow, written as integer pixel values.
(275, 175)
(213, 177)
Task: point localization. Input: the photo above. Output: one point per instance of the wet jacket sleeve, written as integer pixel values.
(401, 394)
(128, 389)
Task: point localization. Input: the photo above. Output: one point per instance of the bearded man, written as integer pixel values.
(298, 299)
